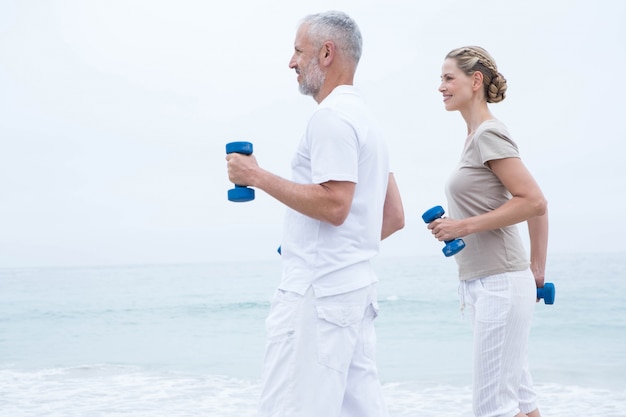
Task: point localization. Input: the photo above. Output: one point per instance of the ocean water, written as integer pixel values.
(187, 340)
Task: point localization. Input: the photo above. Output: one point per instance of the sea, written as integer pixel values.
(188, 340)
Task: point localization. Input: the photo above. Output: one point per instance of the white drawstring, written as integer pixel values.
(461, 292)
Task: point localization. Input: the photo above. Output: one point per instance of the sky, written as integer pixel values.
(114, 115)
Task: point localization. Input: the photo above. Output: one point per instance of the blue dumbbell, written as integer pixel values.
(240, 193)
(547, 293)
(452, 246)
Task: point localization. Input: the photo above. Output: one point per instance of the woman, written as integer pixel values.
(488, 194)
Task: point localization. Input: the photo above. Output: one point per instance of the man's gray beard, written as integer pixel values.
(313, 81)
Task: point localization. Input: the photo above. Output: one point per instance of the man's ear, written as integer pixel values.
(327, 53)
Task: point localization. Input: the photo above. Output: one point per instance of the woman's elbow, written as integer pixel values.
(540, 206)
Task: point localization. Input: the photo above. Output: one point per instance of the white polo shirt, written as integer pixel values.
(342, 142)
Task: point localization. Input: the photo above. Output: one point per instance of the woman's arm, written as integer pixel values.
(527, 201)
(538, 232)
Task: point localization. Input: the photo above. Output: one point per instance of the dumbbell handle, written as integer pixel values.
(453, 246)
(240, 193)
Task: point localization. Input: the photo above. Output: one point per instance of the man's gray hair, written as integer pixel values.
(337, 27)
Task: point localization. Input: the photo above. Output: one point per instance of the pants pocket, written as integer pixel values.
(338, 328)
(493, 299)
(369, 332)
(280, 323)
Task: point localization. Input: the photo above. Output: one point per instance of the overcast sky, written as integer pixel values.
(114, 116)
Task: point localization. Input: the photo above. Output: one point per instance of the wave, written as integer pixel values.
(107, 390)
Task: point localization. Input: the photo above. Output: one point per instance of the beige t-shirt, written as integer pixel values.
(474, 189)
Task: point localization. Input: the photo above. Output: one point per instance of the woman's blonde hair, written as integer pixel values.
(474, 58)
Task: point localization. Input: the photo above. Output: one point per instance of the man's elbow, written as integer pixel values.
(338, 215)
(398, 221)
(392, 223)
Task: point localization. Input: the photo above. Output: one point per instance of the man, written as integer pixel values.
(342, 200)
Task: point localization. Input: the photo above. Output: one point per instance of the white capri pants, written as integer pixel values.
(501, 308)
(320, 356)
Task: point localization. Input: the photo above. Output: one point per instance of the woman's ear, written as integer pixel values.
(477, 81)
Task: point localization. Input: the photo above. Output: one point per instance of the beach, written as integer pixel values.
(187, 340)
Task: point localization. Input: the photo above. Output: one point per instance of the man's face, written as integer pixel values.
(305, 61)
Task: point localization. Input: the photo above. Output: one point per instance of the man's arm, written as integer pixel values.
(393, 211)
(329, 202)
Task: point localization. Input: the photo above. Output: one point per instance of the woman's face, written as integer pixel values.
(455, 86)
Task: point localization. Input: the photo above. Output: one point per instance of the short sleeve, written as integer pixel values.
(493, 145)
(334, 147)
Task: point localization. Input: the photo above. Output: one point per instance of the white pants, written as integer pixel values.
(319, 359)
(501, 308)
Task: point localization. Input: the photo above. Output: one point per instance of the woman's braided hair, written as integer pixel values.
(474, 58)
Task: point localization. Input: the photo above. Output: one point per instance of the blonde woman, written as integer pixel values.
(489, 193)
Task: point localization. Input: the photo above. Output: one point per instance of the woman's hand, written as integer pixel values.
(445, 229)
